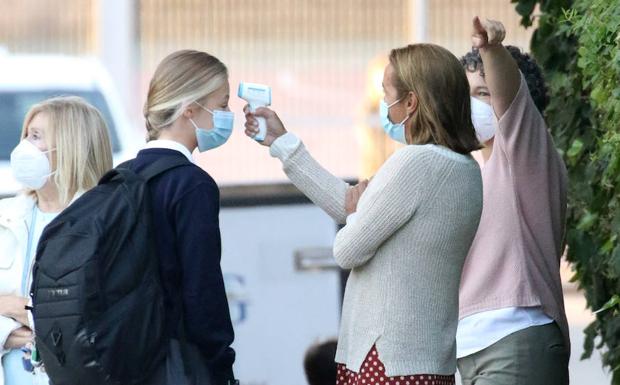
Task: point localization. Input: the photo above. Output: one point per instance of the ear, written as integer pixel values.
(411, 103)
(189, 112)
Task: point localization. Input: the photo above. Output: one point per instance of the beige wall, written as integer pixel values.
(450, 22)
(48, 26)
(317, 55)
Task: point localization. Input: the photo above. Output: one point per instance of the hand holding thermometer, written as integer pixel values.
(257, 95)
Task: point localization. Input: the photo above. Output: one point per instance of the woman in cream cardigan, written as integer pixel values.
(64, 150)
(406, 238)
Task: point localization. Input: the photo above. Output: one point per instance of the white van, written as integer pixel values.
(28, 79)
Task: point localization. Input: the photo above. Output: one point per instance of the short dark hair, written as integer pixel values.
(320, 363)
(527, 65)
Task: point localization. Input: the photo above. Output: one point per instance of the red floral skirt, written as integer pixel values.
(373, 373)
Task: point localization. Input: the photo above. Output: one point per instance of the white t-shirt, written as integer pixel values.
(40, 220)
(479, 331)
(12, 362)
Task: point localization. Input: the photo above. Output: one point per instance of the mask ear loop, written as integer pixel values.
(404, 120)
(194, 123)
(407, 118)
(50, 161)
(388, 110)
(393, 103)
(205, 108)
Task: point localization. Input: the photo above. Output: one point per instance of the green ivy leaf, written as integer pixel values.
(598, 95)
(614, 261)
(575, 149)
(613, 302)
(587, 221)
(609, 245)
(577, 43)
(525, 9)
(588, 344)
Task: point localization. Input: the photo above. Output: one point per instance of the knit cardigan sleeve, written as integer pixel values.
(319, 185)
(388, 203)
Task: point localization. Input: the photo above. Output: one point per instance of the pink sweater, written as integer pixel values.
(514, 260)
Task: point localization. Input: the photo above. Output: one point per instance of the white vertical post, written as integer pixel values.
(117, 48)
(418, 19)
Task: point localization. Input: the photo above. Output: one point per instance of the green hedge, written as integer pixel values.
(578, 44)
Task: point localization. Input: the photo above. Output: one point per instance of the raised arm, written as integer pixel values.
(500, 70)
(319, 185)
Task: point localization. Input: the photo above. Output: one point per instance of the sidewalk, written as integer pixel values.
(590, 371)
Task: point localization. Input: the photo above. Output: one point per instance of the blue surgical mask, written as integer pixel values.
(395, 131)
(219, 134)
(482, 116)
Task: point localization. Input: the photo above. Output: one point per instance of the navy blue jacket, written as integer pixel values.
(186, 203)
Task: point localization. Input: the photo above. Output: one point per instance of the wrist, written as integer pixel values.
(284, 146)
(277, 136)
(487, 48)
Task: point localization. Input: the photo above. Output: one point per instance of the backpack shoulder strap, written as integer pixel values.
(156, 168)
(162, 165)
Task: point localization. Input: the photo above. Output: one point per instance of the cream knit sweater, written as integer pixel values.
(406, 246)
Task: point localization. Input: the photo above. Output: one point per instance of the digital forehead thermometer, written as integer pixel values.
(257, 95)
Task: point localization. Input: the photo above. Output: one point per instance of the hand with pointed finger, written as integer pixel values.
(275, 128)
(487, 33)
(354, 193)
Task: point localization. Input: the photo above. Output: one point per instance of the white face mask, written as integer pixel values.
(484, 120)
(30, 166)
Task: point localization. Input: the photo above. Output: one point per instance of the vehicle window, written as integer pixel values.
(15, 104)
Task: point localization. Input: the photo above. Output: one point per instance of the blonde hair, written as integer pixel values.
(180, 79)
(438, 80)
(80, 136)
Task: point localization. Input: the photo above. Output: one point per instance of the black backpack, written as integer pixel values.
(97, 297)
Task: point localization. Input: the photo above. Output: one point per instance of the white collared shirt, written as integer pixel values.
(170, 145)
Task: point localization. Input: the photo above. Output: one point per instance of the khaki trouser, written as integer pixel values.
(533, 356)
